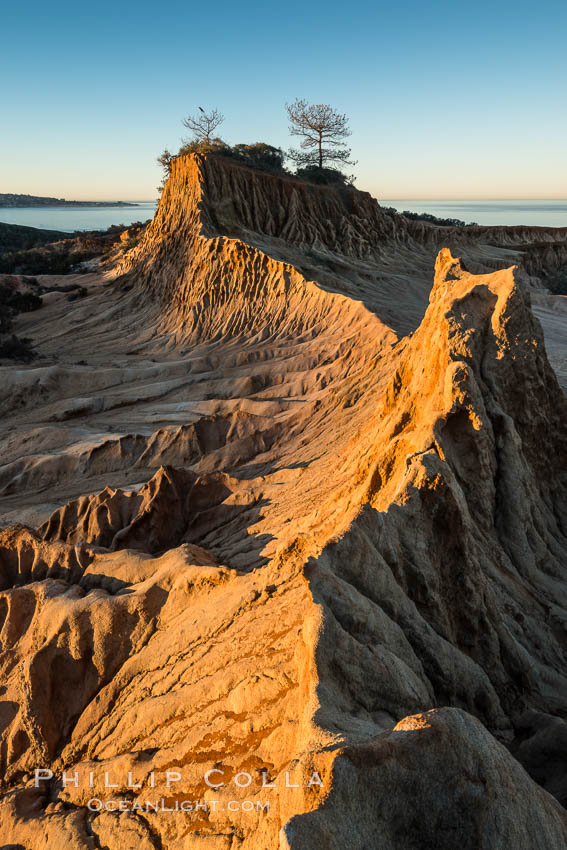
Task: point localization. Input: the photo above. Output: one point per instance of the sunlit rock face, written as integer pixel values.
(285, 538)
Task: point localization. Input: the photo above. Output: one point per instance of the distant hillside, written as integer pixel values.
(16, 237)
(30, 251)
(8, 200)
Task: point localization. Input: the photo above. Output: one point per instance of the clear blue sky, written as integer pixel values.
(445, 99)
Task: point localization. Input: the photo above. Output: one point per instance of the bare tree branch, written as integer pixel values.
(203, 126)
(322, 130)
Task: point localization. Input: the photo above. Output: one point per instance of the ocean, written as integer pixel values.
(70, 219)
(532, 212)
(541, 213)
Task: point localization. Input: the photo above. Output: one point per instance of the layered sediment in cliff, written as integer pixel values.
(332, 558)
(221, 228)
(195, 258)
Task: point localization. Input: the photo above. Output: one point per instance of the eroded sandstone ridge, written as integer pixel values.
(277, 508)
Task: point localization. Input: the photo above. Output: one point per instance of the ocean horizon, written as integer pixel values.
(533, 212)
(72, 219)
(536, 212)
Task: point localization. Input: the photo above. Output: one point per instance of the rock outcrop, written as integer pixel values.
(292, 539)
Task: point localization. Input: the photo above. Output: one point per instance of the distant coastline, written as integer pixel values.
(11, 201)
(71, 217)
(490, 212)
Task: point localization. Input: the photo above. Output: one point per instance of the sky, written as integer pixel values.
(444, 99)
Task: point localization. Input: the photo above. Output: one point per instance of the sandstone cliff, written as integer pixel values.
(297, 513)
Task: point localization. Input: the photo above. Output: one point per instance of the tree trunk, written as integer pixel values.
(320, 151)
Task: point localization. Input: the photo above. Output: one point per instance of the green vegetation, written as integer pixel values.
(40, 254)
(430, 219)
(323, 176)
(557, 282)
(79, 292)
(441, 222)
(26, 251)
(31, 251)
(15, 237)
(259, 155)
(17, 348)
(215, 145)
(35, 261)
(322, 130)
(13, 302)
(19, 302)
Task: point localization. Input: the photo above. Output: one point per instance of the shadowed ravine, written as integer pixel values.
(288, 494)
